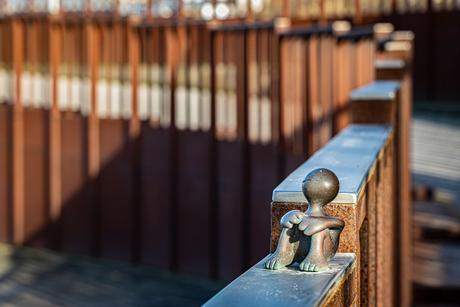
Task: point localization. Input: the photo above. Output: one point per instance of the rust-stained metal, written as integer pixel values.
(346, 294)
(310, 238)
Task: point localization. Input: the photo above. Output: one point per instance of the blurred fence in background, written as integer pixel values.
(156, 131)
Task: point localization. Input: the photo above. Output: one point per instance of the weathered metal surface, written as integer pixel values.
(311, 238)
(346, 294)
(374, 111)
(350, 155)
(377, 90)
(291, 286)
(389, 64)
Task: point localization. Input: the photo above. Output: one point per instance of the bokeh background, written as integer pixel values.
(141, 140)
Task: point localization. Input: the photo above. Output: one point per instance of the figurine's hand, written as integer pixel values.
(291, 218)
(304, 225)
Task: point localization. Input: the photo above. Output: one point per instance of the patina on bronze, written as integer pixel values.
(310, 238)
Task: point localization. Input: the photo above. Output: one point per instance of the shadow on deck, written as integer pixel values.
(39, 277)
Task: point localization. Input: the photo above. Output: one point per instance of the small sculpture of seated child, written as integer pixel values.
(310, 238)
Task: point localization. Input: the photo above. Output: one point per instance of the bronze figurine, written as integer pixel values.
(310, 238)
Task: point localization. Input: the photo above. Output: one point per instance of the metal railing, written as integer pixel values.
(367, 160)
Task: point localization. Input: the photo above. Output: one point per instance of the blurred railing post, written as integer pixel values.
(380, 102)
(395, 63)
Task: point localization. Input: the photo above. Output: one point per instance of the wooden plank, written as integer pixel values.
(219, 94)
(18, 136)
(116, 138)
(156, 237)
(115, 189)
(6, 173)
(253, 86)
(194, 202)
(193, 183)
(343, 75)
(156, 179)
(231, 176)
(134, 144)
(54, 130)
(285, 102)
(6, 143)
(231, 200)
(298, 88)
(76, 217)
(314, 109)
(77, 208)
(263, 166)
(35, 177)
(325, 88)
(93, 136)
(263, 179)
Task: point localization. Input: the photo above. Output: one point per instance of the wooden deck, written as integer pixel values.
(436, 218)
(43, 278)
(435, 155)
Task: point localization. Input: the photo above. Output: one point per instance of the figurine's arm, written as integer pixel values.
(291, 218)
(315, 225)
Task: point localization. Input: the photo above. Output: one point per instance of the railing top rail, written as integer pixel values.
(83, 19)
(168, 23)
(351, 155)
(377, 90)
(306, 30)
(389, 64)
(402, 35)
(241, 25)
(262, 287)
(357, 33)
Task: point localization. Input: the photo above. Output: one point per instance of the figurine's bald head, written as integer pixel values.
(320, 186)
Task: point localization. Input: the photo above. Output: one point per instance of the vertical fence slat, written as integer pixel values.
(115, 182)
(18, 136)
(76, 203)
(263, 158)
(6, 165)
(156, 182)
(35, 175)
(231, 165)
(5, 172)
(193, 179)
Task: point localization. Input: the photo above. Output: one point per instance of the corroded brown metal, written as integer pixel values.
(346, 294)
(310, 238)
(374, 112)
(403, 188)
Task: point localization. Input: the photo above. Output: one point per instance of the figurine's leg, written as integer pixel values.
(284, 254)
(315, 260)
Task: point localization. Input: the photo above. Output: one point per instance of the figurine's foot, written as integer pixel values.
(311, 265)
(276, 262)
